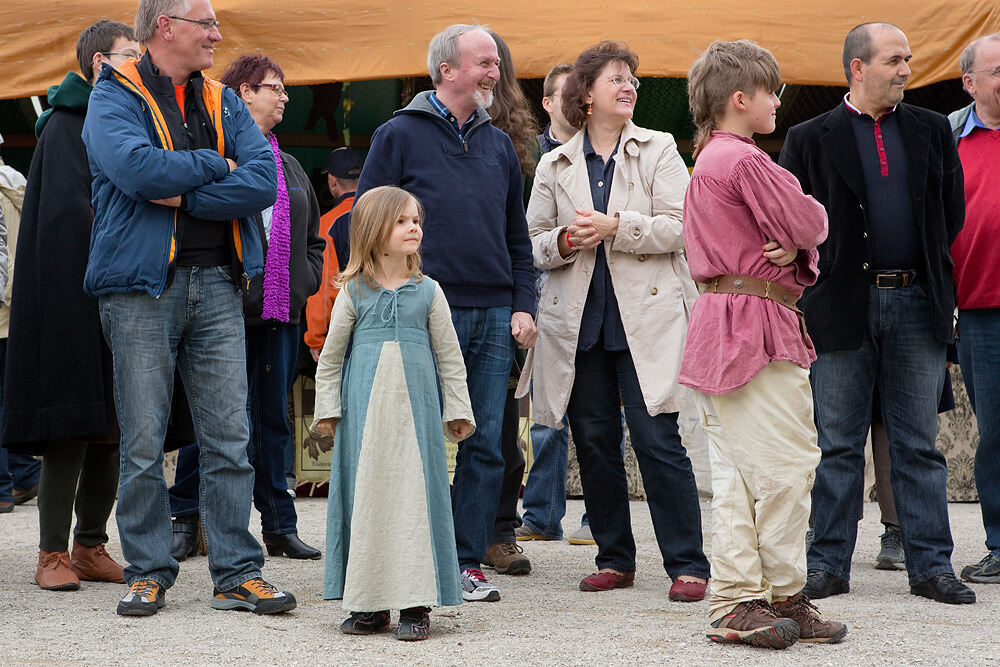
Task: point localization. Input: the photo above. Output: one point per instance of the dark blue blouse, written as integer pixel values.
(601, 325)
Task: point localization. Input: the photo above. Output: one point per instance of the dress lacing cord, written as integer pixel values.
(390, 308)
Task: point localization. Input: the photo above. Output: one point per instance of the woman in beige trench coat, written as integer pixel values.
(605, 221)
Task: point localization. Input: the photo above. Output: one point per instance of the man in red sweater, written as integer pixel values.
(975, 252)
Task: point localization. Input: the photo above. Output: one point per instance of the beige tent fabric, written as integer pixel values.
(316, 41)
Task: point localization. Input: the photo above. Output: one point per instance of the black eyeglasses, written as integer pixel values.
(207, 24)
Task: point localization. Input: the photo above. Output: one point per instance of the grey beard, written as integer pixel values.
(483, 100)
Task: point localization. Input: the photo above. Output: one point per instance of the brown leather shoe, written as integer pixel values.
(94, 564)
(507, 558)
(22, 496)
(812, 628)
(54, 572)
(757, 623)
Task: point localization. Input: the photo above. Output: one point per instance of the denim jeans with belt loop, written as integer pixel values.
(900, 351)
(197, 324)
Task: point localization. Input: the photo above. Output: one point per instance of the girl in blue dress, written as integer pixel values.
(390, 540)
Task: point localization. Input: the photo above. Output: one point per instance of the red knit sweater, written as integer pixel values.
(976, 250)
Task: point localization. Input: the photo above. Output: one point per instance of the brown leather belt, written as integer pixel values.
(764, 289)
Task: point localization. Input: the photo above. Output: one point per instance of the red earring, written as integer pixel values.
(590, 109)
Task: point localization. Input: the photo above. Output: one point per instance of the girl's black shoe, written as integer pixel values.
(414, 624)
(365, 623)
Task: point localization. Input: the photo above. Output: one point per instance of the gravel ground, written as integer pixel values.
(542, 618)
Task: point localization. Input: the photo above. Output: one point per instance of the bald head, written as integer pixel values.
(861, 43)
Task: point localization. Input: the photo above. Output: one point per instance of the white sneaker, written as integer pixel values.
(476, 587)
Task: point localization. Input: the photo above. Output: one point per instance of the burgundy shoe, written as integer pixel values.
(605, 581)
(688, 591)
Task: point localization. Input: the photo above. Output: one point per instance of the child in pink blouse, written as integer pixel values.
(751, 237)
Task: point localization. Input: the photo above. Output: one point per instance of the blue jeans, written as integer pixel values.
(17, 471)
(544, 500)
(488, 348)
(605, 382)
(272, 349)
(196, 324)
(979, 357)
(900, 352)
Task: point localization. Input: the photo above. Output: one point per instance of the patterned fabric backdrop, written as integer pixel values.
(958, 437)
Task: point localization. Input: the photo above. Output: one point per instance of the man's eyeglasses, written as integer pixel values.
(619, 80)
(207, 24)
(992, 71)
(127, 54)
(278, 89)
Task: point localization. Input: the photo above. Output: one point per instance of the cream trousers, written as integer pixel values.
(763, 451)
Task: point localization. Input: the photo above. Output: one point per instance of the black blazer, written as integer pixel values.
(823, 155)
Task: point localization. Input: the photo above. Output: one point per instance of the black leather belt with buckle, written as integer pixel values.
(893, 279)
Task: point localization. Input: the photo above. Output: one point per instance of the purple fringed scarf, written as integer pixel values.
(276, 299)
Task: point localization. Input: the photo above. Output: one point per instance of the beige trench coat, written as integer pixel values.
(646, 260)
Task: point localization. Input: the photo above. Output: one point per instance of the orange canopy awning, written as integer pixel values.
(316, 41)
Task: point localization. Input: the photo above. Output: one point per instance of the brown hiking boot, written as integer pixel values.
(94, 564)
(812, 628)
(507, 559)
(757, 623)
(54, 572)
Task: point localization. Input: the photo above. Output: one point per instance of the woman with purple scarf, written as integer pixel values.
(272, 308)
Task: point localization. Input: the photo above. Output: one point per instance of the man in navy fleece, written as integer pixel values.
(443, 149)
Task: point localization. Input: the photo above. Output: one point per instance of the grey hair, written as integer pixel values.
(444, 48)
(149, 11)
(968, 59)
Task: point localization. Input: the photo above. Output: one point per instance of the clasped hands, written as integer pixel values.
(590, 228)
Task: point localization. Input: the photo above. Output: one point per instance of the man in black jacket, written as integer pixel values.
(59, 398)
(890, 179)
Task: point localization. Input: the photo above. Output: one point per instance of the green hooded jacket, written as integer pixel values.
(72, 94)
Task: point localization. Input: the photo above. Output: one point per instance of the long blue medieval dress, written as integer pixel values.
(390, 538)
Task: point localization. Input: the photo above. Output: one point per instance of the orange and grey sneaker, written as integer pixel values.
(144, 598)
(757, 623)
(255, 595)
(812, 628)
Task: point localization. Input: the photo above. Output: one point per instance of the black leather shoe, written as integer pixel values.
(290, 545)
(944, 588)
(821, 584)
(185, 538)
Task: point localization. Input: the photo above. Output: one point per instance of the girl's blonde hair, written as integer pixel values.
(372, 218)
(723, 69)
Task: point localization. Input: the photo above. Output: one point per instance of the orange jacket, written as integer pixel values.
(319, 305)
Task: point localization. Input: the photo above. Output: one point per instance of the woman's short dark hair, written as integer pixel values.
(587, 67)
(250, 68)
